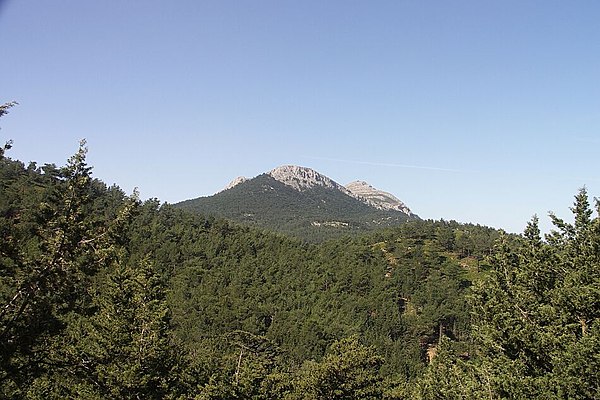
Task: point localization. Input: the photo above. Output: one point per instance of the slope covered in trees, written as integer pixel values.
(313, 214)
(105, 296)
(537, 332)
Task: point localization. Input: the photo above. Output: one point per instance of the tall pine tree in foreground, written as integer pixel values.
(536, 319)
(52, 245)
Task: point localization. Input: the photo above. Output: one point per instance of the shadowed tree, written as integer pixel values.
(350, 370)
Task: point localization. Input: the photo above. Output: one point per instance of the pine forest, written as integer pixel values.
(106, 296)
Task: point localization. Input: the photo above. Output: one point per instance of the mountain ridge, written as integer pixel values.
(304, 203)
(302, 178)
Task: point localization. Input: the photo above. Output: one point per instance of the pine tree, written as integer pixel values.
(126, 344)
(50, 250)
(77, 320)
(350, 370)
(3, 111)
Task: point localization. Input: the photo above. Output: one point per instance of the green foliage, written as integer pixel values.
(104, 296)
(448, 377)
(76, 320)
(397, 289)
(123, 350)
(248, 370)
(3, 111)
(350, 370)
(537, 317)
(135, 299)
(47, 259)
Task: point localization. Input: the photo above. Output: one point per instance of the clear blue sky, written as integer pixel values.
(479, 111)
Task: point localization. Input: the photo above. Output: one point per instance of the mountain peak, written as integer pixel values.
(301, 178)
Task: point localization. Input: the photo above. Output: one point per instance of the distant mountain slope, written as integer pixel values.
(298, 201)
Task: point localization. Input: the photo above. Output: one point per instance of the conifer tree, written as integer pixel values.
(126, 343)
(349, 371)
(77, 320)
(3, 111)
(45, 268)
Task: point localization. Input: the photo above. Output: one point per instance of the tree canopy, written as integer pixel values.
(537, 327)
(106, 296)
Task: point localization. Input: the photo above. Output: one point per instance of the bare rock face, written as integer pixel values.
(301, 178)
(376, 198)
(304, 203)
(235, 182)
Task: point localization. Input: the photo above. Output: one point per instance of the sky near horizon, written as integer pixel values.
(479, 111)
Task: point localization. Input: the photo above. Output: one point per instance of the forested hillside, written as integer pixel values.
(105, 296)
(313, 214)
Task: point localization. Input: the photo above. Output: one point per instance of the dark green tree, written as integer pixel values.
(77, 319)
(248, 370)
(126, 345)
(3, 111)
(350, 370)
(50, 250)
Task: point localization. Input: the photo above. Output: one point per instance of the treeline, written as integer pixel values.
(105, 296)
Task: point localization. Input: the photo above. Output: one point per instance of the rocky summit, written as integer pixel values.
(235, 182)
(301, 178)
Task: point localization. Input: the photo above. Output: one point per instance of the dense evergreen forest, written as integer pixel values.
(104, 296)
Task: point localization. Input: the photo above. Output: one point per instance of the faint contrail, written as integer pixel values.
(387, 164)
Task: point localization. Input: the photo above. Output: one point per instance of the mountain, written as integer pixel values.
(302, 178)
(304, 203)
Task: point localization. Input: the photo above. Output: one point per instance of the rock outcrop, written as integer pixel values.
(376, 198)
(301, 178)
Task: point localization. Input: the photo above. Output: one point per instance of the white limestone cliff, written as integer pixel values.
(301, 178)
(377, 198)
